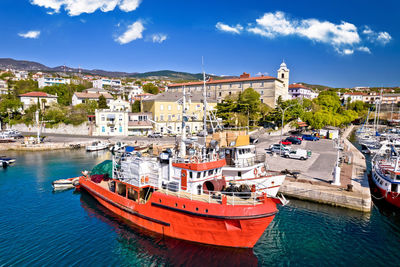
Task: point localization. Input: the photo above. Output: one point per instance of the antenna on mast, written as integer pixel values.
(204, 98)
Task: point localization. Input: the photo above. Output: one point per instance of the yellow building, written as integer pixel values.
(167, 111)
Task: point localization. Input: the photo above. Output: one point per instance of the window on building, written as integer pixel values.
(169, 117)
(161, 107)
(283, 76)
(179, 107)
(262, 84)
(103, 118)
(219, 86)
(220, 94)
(120, 117)
(262, 100)
(261, 92)
(120, 129)
(230, 85)
(251, 84)
(230, 93)
(169, 107)
(112, 129)
(179, 117)
(161, 117)
(103, 129)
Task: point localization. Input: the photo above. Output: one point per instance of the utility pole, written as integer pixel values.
(283, 116)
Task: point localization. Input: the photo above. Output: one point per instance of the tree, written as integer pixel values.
(150, 88)
(102, 102)
(136, 106)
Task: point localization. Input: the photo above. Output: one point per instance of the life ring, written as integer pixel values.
(195, 159)
(255, 171)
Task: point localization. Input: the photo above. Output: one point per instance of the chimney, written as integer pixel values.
(245, 75)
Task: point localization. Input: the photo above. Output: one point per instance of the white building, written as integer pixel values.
(49, 81)
(133, 91)
(20, 75)
(354, 96)
(113, 121)
(139, 124)
(3, 87)
(79, 98)
(102, 82)
(32, 98)
(95, 91)
(298, 90)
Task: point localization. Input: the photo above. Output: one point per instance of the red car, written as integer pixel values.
(297, 137)
(285, 142)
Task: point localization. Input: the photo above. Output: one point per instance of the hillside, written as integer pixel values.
(9, 63)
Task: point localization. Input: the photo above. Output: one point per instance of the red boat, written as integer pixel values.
(385, 179)
(182, 194)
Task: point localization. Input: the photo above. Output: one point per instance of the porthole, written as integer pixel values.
(197, 209)
(206, 210)
(184, 206)
(176, 204)
(159, 200)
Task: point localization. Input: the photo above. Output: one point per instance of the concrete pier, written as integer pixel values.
(314, 182)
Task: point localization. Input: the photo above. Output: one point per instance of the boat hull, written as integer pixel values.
(381, 194)
(208, 223)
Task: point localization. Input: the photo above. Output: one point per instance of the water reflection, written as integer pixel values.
(138, 245)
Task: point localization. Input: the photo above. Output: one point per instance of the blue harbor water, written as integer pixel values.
(39, 227)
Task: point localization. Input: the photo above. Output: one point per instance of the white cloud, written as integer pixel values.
(384, 37)
(30, 34)
(133, 32)
(364, 49)
(159, 37)
(226, 28)
(344, 37)
(377, 37)
(77, 7)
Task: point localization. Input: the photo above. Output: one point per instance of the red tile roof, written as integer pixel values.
(298, 85)
(355, 93)
(93, 95)
(211, 81)
(38, 94)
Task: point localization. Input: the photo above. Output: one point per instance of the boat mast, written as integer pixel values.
(204, 99)
(182, 148)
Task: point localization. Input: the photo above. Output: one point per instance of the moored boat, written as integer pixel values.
(62, 184)
(385, 179)
(246, 167)
(98, 145)
(6, 161)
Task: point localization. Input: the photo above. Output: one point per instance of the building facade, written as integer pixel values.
(3, 87)
(49, 81)
(297, 90)
(113, 121)
(353, 96)
(33, 98)
(106, 82)
(79, 98)
(140, 124)
(167, 111)
(269, 88)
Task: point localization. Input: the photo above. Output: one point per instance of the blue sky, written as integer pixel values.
(337, 43)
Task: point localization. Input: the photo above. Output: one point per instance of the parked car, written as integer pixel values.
(155, 135)
(297, 137)
(293, 140)
(276, 148)
(285, 142)
(301, 154)
(310, 137)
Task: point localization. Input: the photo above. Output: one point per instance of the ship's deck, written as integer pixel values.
(209, 198)
(214, 197)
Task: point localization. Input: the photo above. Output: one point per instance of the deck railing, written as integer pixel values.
(218, 197)
(246, 162)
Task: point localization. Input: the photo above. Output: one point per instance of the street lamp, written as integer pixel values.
(283, 116)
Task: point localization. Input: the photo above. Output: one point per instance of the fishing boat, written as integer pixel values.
(182, 194)
(385, 178)
(245, 166)
(6, 161)
(63, 184)
(98, 145)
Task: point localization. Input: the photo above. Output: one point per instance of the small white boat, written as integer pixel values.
(119, 146)
(5, 161)
(98, 145)
(62, 184)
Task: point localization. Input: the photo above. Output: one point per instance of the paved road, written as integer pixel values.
(318, 167)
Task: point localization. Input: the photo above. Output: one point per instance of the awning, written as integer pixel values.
(302, 124)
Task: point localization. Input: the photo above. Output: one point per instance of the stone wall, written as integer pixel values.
(61, 128)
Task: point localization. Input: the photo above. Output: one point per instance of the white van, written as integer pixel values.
(298, 154)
